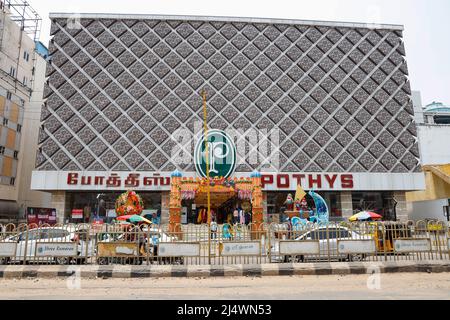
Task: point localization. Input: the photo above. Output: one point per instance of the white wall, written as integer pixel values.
(427, 210)
(30, 137)
(434, 143)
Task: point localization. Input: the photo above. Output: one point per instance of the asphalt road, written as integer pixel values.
(388, 286)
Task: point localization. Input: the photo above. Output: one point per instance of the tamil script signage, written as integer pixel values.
(152, 181)
(412, 245)
(77, 214)
(299, 247)
(8, 249)
(356, 246)
(240, 248)
(62, 249)
(178, 249)
(41, 216)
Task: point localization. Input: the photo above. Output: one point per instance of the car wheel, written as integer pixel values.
(62, 261)
(4, 261)
(356, 257)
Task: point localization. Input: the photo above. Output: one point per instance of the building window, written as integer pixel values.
(442, 119)
(382, 203)
(2, 150)
(13, 181)
(26, 56)
(19, 128)
(5, 121)
(12, 72)
(22, 102)
(8, 95)
(16, 155)
(25, 81)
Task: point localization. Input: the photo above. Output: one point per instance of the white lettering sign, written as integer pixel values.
(356, 246)
(8, 249)
(179, 249)
(413, 245)
(126, 251)
(299, 247)
(240, 248)
(63, 249)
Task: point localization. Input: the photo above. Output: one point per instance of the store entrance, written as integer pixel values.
(222, 208)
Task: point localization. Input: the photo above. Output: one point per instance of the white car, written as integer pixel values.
(27, 241)
(328, 237)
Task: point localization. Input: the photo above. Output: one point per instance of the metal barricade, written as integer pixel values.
(223, 244)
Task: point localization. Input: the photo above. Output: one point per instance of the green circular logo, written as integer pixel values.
(222, 155)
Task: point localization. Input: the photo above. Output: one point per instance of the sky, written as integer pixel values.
(426, 35)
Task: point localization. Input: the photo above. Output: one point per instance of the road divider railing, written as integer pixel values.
(226, 244)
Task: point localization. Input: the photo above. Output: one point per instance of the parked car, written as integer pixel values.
(328, 243)
(27, 241)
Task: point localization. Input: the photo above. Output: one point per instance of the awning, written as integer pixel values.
(437, 180)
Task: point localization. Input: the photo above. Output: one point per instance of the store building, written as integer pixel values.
(22, 68)
(327, 105)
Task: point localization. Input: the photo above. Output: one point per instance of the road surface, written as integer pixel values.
(392, 286)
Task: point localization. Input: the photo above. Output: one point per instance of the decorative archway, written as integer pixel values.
(188, 188)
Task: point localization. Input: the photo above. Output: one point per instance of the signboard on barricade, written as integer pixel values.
(56, 249)
(8, 249)
(299, 247)
(117, 249)
(178, 249)
(412, 245)
(228, 249)
(356, 246)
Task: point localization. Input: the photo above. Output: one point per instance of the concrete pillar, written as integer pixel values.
(346, 205)
(401, 209)
(59, 201)
(165, 199)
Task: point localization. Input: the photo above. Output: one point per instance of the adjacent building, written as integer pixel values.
(336, 97)
(22, 75)
(433, 132)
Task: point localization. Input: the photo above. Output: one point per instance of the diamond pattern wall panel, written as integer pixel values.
(118, 89)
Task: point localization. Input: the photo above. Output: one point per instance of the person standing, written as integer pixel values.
(235, 216)
(248, 218)
(241, 217)
(87, 214)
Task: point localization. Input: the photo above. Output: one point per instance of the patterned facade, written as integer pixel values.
(119, 87)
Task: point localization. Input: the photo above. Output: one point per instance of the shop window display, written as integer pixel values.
(277, 205)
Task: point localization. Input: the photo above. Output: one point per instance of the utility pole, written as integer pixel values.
(208, 185)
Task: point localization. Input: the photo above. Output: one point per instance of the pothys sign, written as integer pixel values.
(8, 249)
(221, 155)
(60, 249)
(356, 246)
(412, 245)
(175, 249)
(228, 249)
(299, 247)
